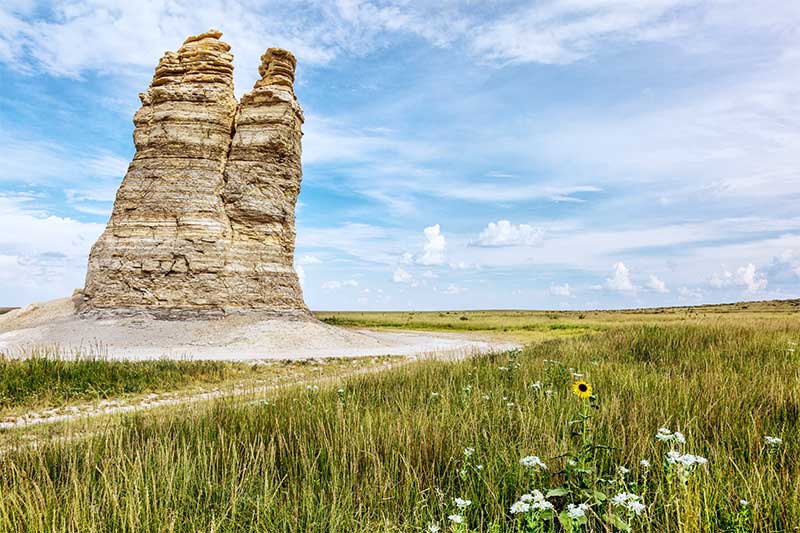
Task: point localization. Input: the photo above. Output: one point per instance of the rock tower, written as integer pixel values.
(203, 222)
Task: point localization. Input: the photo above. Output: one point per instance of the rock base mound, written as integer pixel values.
(56, 328)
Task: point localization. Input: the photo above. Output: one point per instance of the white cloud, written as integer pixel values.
(564, 31)
(308, 259)
(511, 193)
(747, 277)
(784, 267)
(435, 245)
(127, 38)
(686, 293)
(301, 274)
(722, 279)
(402, 276)
(504, 233)
(656, 284)
(366, 242)
(621, 279)
(43, 256)
(561, 290)
(454, 289)
(336, 285)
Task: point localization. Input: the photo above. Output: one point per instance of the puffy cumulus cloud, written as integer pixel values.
(621, 279)
(747, 277)
(750, 278)
(435, 246)
(335, 284)
(504, 233)
(656, 284)
(561, 290)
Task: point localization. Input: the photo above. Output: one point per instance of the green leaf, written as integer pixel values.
(566, 521)
(617, 522)
(554, 493)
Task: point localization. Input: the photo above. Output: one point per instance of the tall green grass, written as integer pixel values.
(384, 454)
(46, 379)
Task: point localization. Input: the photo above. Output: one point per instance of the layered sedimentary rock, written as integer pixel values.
(203, 221)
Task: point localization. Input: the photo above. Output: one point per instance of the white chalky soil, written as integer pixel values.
(54, 324)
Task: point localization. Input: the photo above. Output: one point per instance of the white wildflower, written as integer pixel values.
(637, 507)
(629, 501)
(623, 470)
(434, 528)
(462, 504)
(520, 507)
(478, 467)
(773, 441)
(744, 503)
(537, 385)
(664, 434)
(532, 461)
(645, 463)
(468, 451)
(577, 375)
(620, 499)
(576, 512)
(456, 518)
(542, 506)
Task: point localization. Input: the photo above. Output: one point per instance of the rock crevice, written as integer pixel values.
(203, 222)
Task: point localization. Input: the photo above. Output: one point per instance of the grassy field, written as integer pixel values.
(392, 451)
(44, 380)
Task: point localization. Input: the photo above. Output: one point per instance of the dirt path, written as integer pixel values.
(248, 388)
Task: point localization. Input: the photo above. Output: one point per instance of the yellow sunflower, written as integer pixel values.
(582, 389)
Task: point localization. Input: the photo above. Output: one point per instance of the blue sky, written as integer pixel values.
(554, 154)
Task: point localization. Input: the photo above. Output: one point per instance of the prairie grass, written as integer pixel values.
(48, 379)
(385, 452)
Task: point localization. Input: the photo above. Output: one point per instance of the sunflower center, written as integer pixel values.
(582, 387)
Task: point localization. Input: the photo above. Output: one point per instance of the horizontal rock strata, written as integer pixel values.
(203, 222)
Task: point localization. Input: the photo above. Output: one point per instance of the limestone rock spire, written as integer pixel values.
(203, 221)
(262, 179)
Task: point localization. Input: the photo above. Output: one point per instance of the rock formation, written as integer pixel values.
(203, 222)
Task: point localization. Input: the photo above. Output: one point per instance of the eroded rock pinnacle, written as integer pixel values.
(203, 221)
